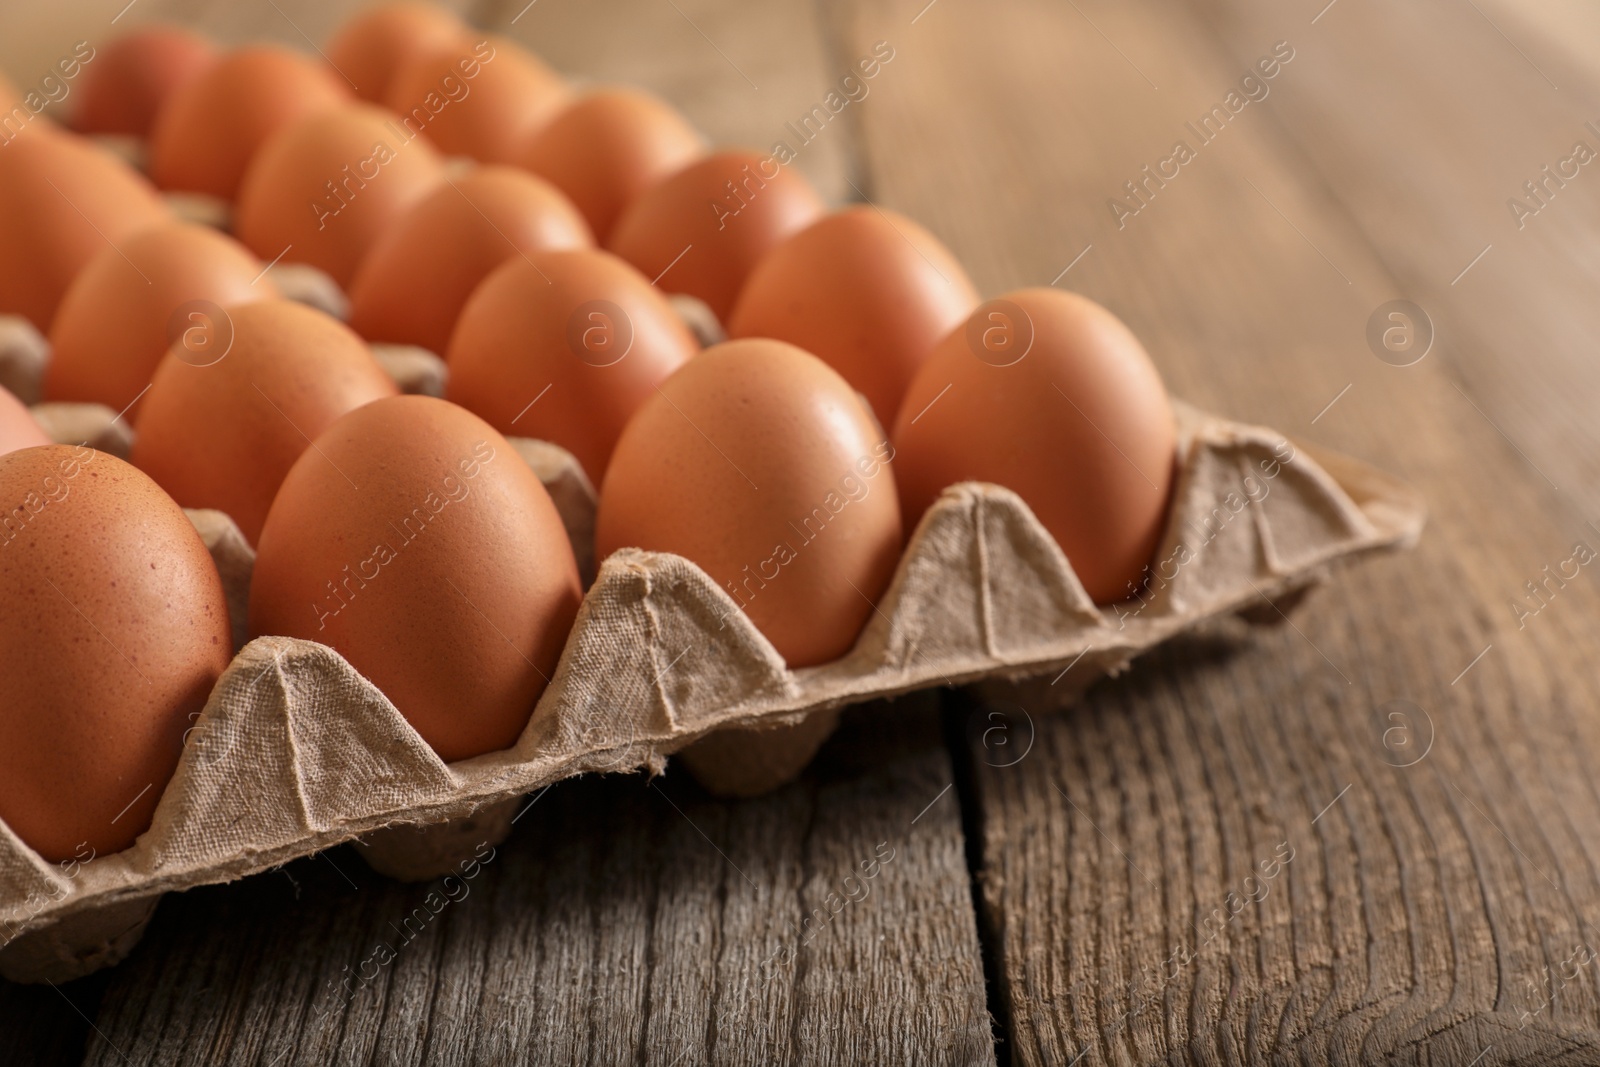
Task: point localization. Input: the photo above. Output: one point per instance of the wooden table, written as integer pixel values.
(1445, 878)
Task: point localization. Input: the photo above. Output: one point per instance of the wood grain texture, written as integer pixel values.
(1446, 862)
(1429, 906)
(625, 921)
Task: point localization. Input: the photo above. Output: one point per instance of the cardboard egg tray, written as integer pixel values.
(296, 752)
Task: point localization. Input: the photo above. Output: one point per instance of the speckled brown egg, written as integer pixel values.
(130, 79)
(703, 230)
(378, 40)
(867, 291)
(564, 347)
(1048, 394)
(415, 279)
(17, 426)
(324, 190)
(760, 464)
(115, 631)
(210, 129)
(65, 201)
(129, 303)
(414, 541)
(228, 413)
(482, 99)
(609, 147)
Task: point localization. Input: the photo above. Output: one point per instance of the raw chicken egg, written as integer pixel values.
(131, 302)
(414, 541)
(757, 462)
(65, 201)
(131, 79)
(609, 147)
(482, 100)
(416, 278)
(115, 631)
(1050, 395)
(17, 426)
(323, 190)
(239, 397)
(380, 39)
(703, 230)
(869, 292)
(209, 130)
(565, 346)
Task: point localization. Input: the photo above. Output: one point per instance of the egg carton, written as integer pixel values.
(296, 752)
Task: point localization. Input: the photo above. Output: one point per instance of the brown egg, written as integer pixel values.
(205, 136)
(1050, 395)
(416, 278)
(323, 190)
(759, 463)
(126, 85)
(483, 99)
(703, 230)
(868, 292)
(609, 147)
(414, 541)
(565, 346)
(130, 302)
(370, 47)
(65, 202)
(17, 426)
(115, 631)
(226, 418)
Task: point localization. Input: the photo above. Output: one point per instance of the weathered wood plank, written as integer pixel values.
(624, 921)
(1429, 906)
(613, 926)
(739, 71)
(1428, 122)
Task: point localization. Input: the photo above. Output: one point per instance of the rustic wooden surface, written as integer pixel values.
(1445, 861)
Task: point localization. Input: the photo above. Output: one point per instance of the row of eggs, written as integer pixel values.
(404, 531)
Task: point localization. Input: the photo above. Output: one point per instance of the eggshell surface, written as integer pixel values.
(608, 148)
(114, 633)
(482, 100)
(702, 230)
(325, 189)
(757, 462)
(65, 201)
(129, 303)
(867, 291)
(227, 415)
(414, 541)
(1050, 395)
(378, 40)
(564, 347)
(128, 82)
(416, 278)
(210, 129)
